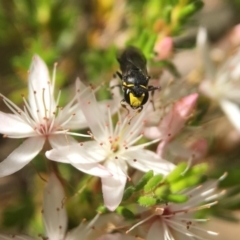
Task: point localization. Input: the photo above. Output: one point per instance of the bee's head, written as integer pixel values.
(135, 97)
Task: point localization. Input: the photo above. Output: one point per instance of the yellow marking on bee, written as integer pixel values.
(135, 101)
(143, 86)
(127, 85)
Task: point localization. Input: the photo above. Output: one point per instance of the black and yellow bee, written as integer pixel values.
(134, 78)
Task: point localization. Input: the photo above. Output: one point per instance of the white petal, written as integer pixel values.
(21, 156)
(59, 140)
(93, 169)
(145, 160)
(156, 231)
(152, 132)
(202, 44)
(92, 112)
(232, 111)
(76, 232)
(87, 152)
(14, 127)
(72, 109)
(54, 212)
(83, 156)
(78, 121)
(15, 237)
(39, 82)
(113, 187)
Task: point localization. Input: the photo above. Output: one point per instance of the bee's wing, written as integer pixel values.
(131, 59)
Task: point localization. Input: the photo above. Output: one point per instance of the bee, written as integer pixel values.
(135, 78)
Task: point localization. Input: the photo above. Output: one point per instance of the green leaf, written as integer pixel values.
(102, 209)
(177, 172)
(144, 180)
(153, 182)
(126, 213)
(198, 169)
(185, 183)
(149, 45)
(23, 210)
(177, 198)
(189, 10)
(128, 193)
(162, 192)
(147, 201)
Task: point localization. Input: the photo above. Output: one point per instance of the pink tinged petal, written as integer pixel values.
(14, 127)
(113, 187)
(39, 82)
(15, 237)
(54, 212)
(145, 160)
(161, 148)
(60, 140)
(235, 35)
(199, 148)
(157, 231)
(178, 115)
(232, 111)
(21, 156)
(164, 48)
(185, 105)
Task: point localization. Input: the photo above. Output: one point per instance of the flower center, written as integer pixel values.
(114, 142)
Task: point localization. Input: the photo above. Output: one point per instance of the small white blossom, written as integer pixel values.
(112, 145)
(222, 84)
(41, 119)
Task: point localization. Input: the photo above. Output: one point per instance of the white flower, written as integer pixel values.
(223, 84)
(55, 218)
(176, 221)
(112, 145)
(41, 119)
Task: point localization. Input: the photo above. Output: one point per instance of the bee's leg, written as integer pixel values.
(152, 90)
(135, 114)
(117, 74)
(124, 105)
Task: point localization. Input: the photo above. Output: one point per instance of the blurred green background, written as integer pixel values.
(84, 37)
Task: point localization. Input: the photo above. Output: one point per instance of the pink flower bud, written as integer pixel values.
(164, 48)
